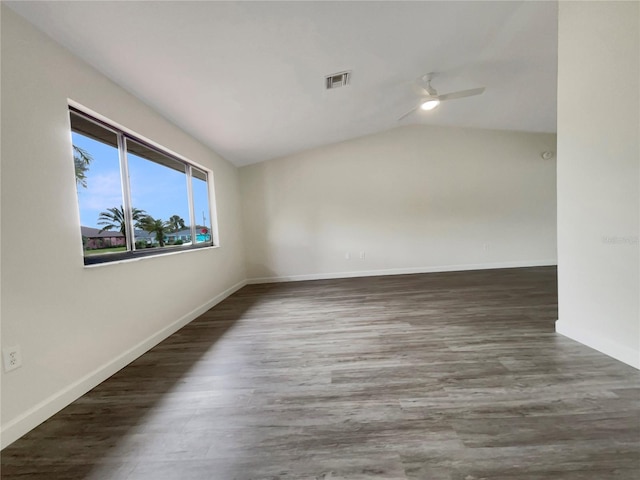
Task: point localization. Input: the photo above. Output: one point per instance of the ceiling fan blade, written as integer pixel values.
(409, 113)
(461, 94)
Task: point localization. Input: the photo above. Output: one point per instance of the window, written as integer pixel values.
(134, 198)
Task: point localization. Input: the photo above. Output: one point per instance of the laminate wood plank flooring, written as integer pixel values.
(447, 376)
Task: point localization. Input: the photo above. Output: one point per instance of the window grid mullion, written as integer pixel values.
(126, 193)
(192, 210)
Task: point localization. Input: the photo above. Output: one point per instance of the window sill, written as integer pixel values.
(137, 258)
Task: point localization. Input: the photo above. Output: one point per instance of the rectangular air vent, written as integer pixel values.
(336, 80)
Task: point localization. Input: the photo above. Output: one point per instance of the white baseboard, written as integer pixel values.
(597, 342)
(50, 406)
(402, 271)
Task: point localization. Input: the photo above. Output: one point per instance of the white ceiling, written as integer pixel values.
(247, 78)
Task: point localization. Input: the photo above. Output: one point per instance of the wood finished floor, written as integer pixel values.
(455, 376)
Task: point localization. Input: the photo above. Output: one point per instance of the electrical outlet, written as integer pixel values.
(12, 357)
(361, 255)
(347, 256)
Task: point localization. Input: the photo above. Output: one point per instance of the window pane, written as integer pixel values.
(201, 205)
(99, 186)
(159, 198)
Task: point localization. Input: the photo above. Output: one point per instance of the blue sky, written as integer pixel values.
(160, 191)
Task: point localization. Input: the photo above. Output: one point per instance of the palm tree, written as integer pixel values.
(157, 226)
(113, 219)
(81, 159)
(176, 223)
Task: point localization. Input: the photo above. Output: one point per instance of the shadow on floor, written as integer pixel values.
(97, 429)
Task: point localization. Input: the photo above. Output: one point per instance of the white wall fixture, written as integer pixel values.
(12, 358)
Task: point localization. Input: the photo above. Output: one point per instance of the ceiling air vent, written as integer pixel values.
(336, 80)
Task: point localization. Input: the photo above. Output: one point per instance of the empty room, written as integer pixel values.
(320, 240)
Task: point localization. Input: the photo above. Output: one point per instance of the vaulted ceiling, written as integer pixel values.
(247, 78)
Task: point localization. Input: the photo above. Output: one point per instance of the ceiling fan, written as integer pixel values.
(432, 99)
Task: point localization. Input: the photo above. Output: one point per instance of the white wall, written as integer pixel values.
(414, 199)
(598, 176)
(78, 325)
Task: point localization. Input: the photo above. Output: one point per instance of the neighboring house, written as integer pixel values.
(93, 238)
(144, 236)
(149, 238)
(183, 234)
(202, 235)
